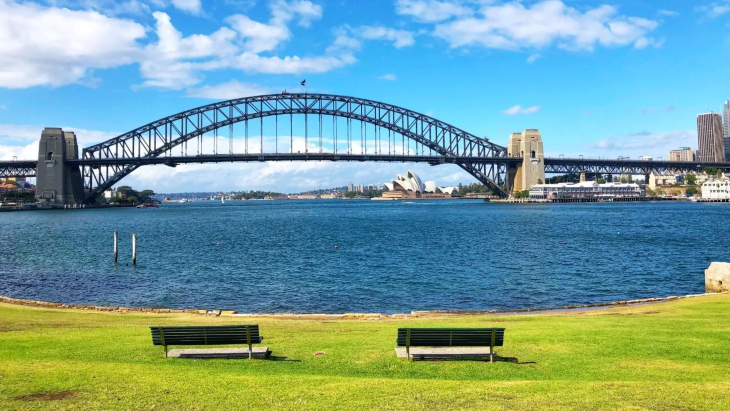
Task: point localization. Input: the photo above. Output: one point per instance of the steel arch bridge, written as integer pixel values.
(434, 141)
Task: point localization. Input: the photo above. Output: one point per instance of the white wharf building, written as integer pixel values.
(584, 190)
(716, 189)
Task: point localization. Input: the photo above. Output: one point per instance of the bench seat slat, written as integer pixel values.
(206, 335)
(450, 337)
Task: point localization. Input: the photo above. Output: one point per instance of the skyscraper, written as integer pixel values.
(710, 138)
(726, 128)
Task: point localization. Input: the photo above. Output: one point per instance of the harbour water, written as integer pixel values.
(280, 256)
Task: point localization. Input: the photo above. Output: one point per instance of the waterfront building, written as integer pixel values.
(709, 137)
(411, 186)
(361, 188)
(585, 190)
(726, 128)
(663, 179)
(350, 187)
(716, 189)
(684, 154)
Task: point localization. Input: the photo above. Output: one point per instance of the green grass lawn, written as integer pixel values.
(665, 356)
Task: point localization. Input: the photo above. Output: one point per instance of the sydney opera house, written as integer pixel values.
(411, 186)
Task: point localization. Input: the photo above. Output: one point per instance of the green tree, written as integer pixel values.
(711, 171)
(146, 195)
(690, 179)
(539, 181)
(692, 191)
(124, 191)
(601, 181)
(521, 194)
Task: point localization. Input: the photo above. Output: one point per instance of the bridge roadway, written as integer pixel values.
(27, 168)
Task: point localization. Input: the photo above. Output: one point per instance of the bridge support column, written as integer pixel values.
(531, 172)
(58, 183)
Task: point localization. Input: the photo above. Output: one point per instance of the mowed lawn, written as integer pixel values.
(665, 356)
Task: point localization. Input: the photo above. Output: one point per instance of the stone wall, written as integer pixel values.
(717, 277)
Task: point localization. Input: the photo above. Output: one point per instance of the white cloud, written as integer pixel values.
(53, 46)
(655, 144)
(515, 26)
(652, 110)
(388, 77)
(21, 140)
(668, 13)
(190, 6)
(513, 111)
(228, 91)
(533, 58)
(349, 39)
(259, 37)
(282, 11)
(253, 63)
(715, 9)
(34, 51)
(173, 61)
(400, 38)
(288, 177)
(431, 11)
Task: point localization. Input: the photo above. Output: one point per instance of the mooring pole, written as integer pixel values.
(116, 248)
(134, 249)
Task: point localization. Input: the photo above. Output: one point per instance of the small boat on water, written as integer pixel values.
(148, 205)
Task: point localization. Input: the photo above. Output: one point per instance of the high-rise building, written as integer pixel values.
(709, 137)
(726, 128)
(683, 154)
(350, 187)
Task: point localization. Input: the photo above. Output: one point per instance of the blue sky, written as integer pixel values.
(598, 78)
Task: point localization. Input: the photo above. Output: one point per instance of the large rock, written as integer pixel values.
(717, 278)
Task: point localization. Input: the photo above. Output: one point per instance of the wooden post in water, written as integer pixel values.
(116, 248)
(134, 249)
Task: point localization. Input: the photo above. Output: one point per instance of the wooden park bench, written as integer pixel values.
(211, 335)
(441, 342)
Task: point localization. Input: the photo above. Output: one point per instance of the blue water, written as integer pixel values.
(279, 256)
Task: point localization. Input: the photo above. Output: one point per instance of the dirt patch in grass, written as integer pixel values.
(47, 396)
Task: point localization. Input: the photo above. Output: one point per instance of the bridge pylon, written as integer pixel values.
(528, 146)
(57, 182)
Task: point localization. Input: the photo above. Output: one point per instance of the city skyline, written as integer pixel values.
(592, 92)
(710, 143)
(726, 128)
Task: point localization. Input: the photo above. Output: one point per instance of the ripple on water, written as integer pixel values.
(279, 256)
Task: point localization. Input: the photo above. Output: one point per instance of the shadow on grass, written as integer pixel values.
(512, 360)
(284, 359)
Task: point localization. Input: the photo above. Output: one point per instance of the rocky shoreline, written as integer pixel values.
(352, 316)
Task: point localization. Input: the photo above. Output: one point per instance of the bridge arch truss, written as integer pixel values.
(106, 163)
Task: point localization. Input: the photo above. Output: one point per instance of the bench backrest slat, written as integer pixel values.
(206, 335)
(450, 337)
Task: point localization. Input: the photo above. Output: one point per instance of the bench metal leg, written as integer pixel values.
(250, 352)
(165, 351)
